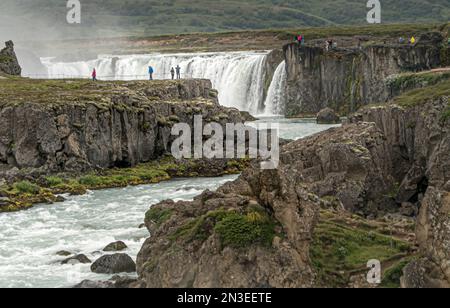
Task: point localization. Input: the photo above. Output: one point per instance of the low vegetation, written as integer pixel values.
(24, 194)
(235, 229)
(419, 96)
(342, 248)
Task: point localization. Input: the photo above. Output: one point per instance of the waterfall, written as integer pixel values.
(276, 96)
(238, 76)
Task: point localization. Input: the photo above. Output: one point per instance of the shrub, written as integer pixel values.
(26, 187)
(53, 181)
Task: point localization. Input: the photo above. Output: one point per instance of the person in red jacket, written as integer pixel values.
(94, 75)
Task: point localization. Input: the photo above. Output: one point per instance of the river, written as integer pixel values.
(29, 240)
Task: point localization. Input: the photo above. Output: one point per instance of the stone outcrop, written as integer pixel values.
(346, 79)
(192, 247)
(328, 116)
(257, 231)
(114, 264)
(98, 125)
(8, 61)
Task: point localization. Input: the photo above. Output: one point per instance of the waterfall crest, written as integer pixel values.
(238, 76)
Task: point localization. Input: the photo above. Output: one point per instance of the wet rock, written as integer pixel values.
(76, 260)
(247, 117)
(89, 284)
(64, 253)
(113, 264)
(116, 246)
(60, 199)
(328, 116)
(116, 282)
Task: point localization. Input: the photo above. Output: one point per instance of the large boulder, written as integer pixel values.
(116, 246)
(328, 116)
(114, 264)
(8, 60)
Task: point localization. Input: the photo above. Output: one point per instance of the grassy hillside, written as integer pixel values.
(153, 17)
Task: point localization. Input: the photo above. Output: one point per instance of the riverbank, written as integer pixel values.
(24, 194)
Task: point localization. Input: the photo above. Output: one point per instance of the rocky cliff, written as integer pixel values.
(265, 230)
(75, 125)
(8, 61)
(348, 78)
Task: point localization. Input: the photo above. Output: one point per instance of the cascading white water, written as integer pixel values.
(238, 76)
(276, 96)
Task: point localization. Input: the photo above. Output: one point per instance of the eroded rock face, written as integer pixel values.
(114, 130)
(190, 247)
(420, 145)
(220, 239)
(347, 79)
(8, 60)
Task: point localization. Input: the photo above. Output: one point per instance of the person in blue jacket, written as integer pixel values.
(150, 72)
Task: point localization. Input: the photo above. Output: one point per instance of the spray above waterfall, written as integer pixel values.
(238, 76)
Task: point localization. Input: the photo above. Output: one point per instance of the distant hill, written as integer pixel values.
(153, 17)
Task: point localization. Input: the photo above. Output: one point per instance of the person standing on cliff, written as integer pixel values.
(172, 72)
(178, 69)
(94, 75)
(150, 72)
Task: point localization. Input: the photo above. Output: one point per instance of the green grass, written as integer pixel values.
(337, 250)
(25, 187)
(236, 230)
(53, 181)
(239, 231)
(420, 96)
(391, 278)
(158, 215)
(410, 81)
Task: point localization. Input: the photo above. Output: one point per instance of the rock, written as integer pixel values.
(247, 117)
(116, 282)
(408, 209)
(5, 201)
(349, 78)
(64, 253)
(116, 246)
(209, 241)
(60, 199)
(89, 284)
(432, 270)
(113, 264)
(76, 260)
(328, 116)
(8, 60)
(123, 282)
(134, 126)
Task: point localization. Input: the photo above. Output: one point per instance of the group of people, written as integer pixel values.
(412, 40)
(330, 44)
(174, 71)
(300, 39)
